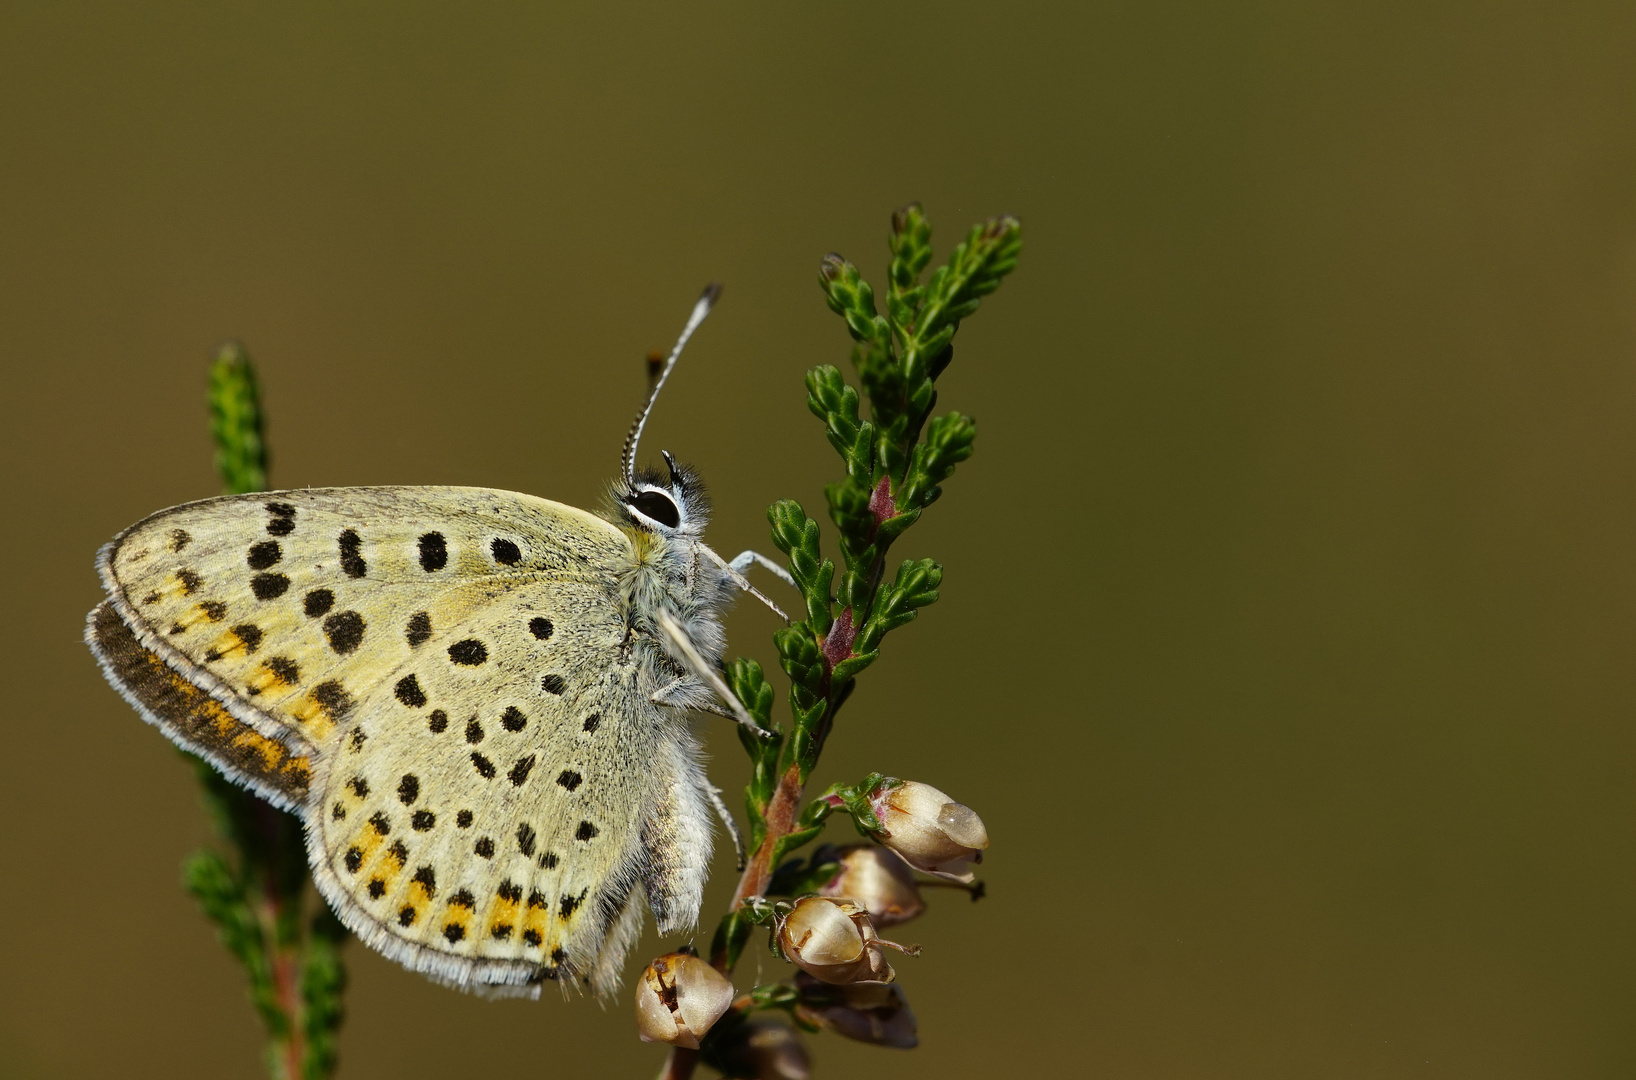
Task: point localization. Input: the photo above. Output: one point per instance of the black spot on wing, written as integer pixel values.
(484, 767)
(249, 634)
(190, 582)
(422, 820)
(469, 652)
(569, 779)
(484, 848)
(553, 684)
(408, 788)
(474, 731)
(463, 819)
(417, 629)
(409, 692)
(283, 669)
(519, 772)
(438, 721)
(264, 554)
(269, 586)
(540, 627)
(434, 552)
(345, 631)
(179, 539)
(525, 839)
(282, 519)
(333, 698)
(352, 560)
(592, 721)
(513, 719)
(318, 602)
(505, 552)
(586, 831)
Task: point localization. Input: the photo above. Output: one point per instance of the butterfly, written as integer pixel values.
(477, 701)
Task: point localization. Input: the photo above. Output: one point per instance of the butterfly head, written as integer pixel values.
(673, 505)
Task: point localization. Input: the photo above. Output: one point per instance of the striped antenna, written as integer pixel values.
(711, 292)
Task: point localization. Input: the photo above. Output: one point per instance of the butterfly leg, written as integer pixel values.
(690, 693)
(713, 793)
(736, 575)
(744, 559)
(682, 648)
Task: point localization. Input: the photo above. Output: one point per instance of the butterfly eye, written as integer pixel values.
(658, 506)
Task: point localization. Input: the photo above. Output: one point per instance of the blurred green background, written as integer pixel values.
(1285, 638)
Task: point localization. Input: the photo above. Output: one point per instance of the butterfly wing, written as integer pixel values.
(282, 606)
(483, 821)
(194, 719)
(435, 656)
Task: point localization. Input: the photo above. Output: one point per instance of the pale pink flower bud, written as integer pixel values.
(878, 880)
(868, 1012)
(762, 1048)
(931, 831)
(678, 998)
(833, 940)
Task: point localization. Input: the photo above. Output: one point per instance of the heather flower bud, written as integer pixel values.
(761, 1048)
(678, 998)
(931, 831)
(878, 880)
(833, 940)
(868, 1012)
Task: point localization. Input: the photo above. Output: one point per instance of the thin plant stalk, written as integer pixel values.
(256, 894)
(896, 460)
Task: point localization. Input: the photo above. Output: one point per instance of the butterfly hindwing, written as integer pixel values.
(482, 821)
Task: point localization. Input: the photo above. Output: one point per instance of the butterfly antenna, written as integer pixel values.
(711, 292)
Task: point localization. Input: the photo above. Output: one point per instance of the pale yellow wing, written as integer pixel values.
(449, 674)
(483, 822)
(288, 607)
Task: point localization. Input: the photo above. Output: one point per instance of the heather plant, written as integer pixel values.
(821, 912)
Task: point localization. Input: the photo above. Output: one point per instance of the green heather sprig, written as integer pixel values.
(257, 894)
(896, 455)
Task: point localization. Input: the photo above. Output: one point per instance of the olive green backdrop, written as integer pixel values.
(1285, 640)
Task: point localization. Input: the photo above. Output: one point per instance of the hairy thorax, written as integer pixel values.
(672, 574)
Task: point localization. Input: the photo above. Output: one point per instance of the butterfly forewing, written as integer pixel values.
(288, 607)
